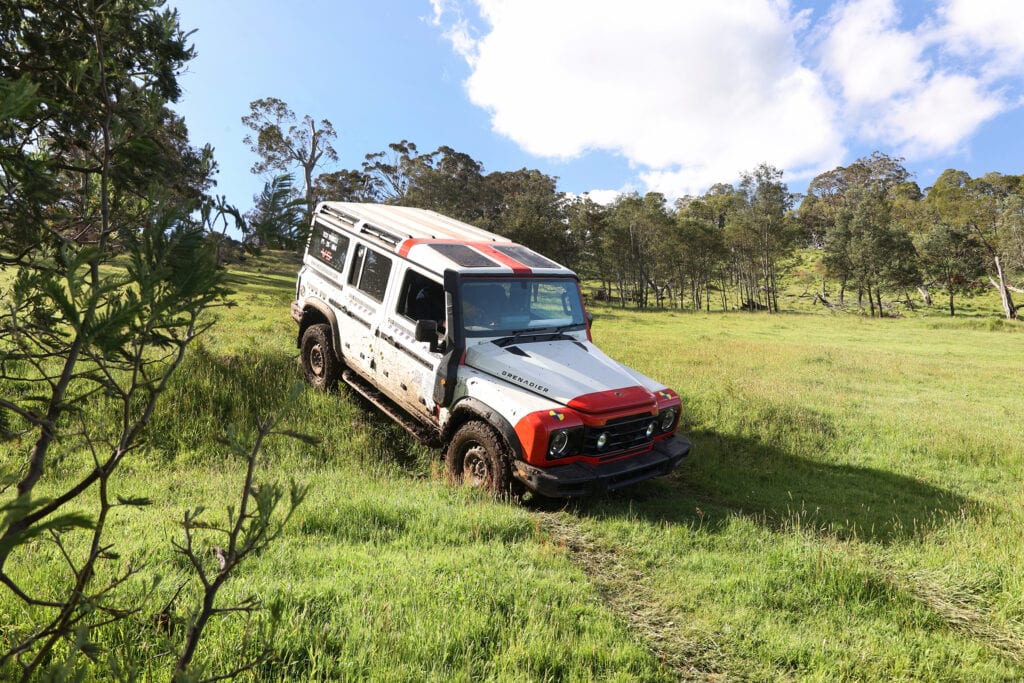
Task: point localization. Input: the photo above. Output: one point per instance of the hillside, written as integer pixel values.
(851, 510)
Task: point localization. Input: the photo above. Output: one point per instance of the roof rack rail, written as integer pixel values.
(381, 234)
(339, 214)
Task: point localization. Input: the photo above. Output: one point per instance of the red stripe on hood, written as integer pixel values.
(627, 398)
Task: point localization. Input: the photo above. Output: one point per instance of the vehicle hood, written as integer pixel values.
(574, 373)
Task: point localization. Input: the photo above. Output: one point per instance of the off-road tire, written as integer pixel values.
(320, 364)
(477, 457)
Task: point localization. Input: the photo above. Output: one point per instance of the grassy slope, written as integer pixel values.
(852, 510)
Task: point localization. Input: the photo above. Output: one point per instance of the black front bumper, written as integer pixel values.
(583, 479)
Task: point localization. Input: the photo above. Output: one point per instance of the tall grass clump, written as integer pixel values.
(213, 390)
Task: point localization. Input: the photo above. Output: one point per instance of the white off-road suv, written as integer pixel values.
(480, 346)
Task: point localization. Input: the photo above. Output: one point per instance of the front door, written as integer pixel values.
(411, 365)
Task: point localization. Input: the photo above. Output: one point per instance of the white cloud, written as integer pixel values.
(898, 87)
(604, 197)
(994, 28)
(872, 60)
(939, 116)
(693, 93)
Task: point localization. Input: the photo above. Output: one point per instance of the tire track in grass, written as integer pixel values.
(691, 657)
(960, 610)
(626, 592)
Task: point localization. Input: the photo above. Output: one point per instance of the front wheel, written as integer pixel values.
(476, 457)
(320, 365)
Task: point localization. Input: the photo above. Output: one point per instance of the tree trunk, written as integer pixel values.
(926, 296)
(910, 302)
(952, 312)
(1004, 293)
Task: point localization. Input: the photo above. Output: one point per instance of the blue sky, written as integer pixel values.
(668, 95)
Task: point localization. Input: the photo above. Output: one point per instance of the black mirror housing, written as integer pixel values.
(426, 331)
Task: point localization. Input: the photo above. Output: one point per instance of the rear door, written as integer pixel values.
(362, 305)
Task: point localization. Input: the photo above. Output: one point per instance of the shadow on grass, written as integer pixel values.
(262, 283)
(728, 476)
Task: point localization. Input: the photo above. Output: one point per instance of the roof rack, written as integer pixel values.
(345, 216)
(365, 228)
(381, 234)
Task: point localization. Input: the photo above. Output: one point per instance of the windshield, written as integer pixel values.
(502, 306)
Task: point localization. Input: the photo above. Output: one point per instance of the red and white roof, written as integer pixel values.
(438, 242)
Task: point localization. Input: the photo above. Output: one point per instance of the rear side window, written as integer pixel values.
(370, 272)
(327, 246)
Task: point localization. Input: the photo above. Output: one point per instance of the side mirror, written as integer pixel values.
(590, 319)
(426, 331)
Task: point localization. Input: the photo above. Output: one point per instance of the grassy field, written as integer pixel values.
(852, 510)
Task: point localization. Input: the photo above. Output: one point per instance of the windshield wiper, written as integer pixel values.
(505, 341)
(551, 332)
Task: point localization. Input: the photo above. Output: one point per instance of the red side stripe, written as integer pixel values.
(407, 245)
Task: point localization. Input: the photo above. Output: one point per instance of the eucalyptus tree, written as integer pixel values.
(635, 246)
(954, 259)
(390, 172)
(282, 141)
(700, 249)
(763, 229)
(450, 182)
(587, 223)
(526, 206)
(868, 251)
(346, 185)
(1012, 227)
(979, 206)
(865, 208)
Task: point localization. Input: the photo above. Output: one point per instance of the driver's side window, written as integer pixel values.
(421, 298)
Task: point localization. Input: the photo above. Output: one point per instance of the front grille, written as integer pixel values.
(624, 434)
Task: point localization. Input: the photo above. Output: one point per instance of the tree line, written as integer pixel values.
(878, 238)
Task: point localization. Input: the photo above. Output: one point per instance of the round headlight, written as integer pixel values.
(667, 418)
(559, 443)
(650, 429)
(602, 439)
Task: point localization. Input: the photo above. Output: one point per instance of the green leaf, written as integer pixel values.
(59, 523)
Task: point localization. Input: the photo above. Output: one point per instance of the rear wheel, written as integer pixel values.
(476, 457)
(320, 365)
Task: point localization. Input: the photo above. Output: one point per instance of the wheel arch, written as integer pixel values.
(474, 409)
(316, 312)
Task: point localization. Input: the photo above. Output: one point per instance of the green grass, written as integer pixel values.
(851, 511)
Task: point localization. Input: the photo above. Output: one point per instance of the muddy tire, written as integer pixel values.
(477, 457)
(320, 364)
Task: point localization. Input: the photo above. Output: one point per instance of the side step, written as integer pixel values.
(420, 431)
